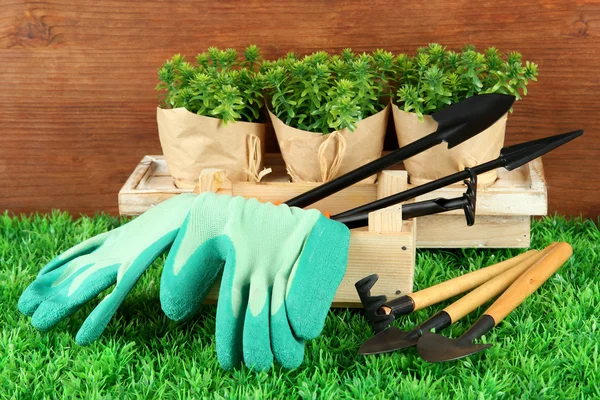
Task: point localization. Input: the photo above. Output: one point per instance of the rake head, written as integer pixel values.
(373, 304)
(471, 197)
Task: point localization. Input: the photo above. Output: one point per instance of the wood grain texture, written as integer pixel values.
(489, 231)
(77, 110)
(461, 284)
(529, 281)
(488, 290)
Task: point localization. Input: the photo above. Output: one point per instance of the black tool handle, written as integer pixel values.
(438, 322)
(357, 175)
(434, 206)
(484, 324)
(412, 210)
(401, 305)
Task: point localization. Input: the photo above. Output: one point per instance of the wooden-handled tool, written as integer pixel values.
(490, 289)
(435, 348)
(393, 339)
(381, 313)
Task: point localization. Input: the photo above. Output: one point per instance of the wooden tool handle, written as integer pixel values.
(491, 288)
(445, 290)
(531, 279)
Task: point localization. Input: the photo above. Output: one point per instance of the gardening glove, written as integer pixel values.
(280, 267)
(81, 273)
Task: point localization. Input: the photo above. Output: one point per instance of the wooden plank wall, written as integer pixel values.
(77, 99)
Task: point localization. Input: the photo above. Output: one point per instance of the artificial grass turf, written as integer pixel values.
(546, 348)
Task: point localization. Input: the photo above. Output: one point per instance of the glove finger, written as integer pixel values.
(231, 312)
(72, 295)
(96, 322)
(190, 272)
(48, 284)
(81, 249)
(127, 276)
(256, 336)
(287, 349)
(315, 279)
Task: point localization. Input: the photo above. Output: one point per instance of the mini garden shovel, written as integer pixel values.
(436, 348)
(393, 339)
(381, 313)
(456, 124)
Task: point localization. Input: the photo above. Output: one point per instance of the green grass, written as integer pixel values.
(546, 348)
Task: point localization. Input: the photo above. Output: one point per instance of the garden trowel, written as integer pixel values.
(456, 124)
(380, 312)
(393, 339)
(433, 347)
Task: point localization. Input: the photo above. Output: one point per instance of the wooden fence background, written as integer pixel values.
(77, 99)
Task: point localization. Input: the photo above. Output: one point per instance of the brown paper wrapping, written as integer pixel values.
(314, 157)
(440, 161)
(192, 142)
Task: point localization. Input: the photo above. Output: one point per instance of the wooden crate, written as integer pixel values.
(386, 247)
(503, 212)
(504, 209)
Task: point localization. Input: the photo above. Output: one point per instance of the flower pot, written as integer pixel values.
(440, 161)
(317, 157)
(192, 142)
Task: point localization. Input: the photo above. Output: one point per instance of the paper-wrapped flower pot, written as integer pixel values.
(317, 157)
(440, 161)
(192, 142)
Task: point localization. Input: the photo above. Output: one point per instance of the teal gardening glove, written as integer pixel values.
(81, 273)
(281, 268)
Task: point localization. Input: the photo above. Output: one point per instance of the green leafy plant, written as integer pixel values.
(322, 92)
(435, 77)
(219, 85)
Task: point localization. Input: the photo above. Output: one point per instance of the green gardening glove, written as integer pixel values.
(281, 267)
(81, 273)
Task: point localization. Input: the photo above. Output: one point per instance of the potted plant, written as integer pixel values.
(210, 115)
(329, 112)
(433, 79)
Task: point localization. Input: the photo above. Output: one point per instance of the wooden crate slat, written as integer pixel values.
(489, 231)
(519, 192)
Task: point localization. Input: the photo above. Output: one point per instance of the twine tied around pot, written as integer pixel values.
(255, 159)
(328, 171)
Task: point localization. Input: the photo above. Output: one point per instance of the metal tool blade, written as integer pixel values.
(517, 155)
(391, 339)
(458, 122)
(437, 348)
